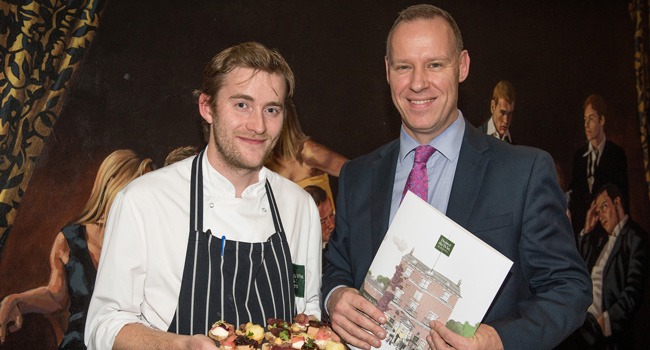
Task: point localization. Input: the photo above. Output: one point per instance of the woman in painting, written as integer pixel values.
(75, 255)
(301, 159)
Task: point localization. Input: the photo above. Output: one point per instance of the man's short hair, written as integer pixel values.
(246, 55)
(425, 11)
(613, 192)
(505, 90)
(597, 102)
(318, 194)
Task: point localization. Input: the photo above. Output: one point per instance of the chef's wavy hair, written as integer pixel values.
(115, 172)
(246, 55)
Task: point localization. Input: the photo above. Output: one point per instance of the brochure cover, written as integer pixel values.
(430, 268)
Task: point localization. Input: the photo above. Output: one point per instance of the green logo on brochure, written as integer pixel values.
(444, 245)
(299, 280)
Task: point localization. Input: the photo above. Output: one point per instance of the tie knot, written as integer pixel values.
(423, 152)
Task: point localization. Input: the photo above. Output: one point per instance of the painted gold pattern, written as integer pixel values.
(41, 43)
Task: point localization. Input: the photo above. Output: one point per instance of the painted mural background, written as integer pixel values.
(132, 89)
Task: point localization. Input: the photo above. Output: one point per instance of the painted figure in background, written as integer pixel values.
(598, 162)
(617, 257)
(502, 107)
(75, 255)
(180, 153)
(325, 211)
(303, 160)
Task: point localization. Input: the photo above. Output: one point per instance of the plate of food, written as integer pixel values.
(301, 333)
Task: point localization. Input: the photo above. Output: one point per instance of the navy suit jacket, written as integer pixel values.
(506, 195)
(624, 276)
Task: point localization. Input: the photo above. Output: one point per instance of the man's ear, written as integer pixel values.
(493, 106)
(463, 66)
(601, 121)
(205, 107)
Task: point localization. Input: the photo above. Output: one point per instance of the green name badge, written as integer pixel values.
(299, 280)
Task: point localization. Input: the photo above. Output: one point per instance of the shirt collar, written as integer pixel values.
(590, 147)
(223, 186)
(619, 226)
(491, 130)
(447, 143)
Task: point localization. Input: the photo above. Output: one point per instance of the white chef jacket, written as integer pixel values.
(141, 265)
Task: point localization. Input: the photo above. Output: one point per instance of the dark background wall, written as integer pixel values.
(134, 87)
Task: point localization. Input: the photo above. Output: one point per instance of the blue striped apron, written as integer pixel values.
(237, 282)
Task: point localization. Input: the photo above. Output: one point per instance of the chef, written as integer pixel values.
(216, 236)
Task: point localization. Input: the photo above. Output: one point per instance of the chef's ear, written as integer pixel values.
(205, 107)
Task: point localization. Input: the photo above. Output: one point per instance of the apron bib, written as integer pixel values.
(237, 282)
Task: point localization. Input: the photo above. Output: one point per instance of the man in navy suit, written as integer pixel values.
(506, 195)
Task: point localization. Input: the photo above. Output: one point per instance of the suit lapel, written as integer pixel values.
(469, 175)
(602, 163)
(465, 189)
(383, 177)
(617, 247)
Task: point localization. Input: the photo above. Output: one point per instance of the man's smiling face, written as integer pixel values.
(423, 72)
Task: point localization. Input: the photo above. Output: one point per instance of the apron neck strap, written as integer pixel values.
(196, 194)
(277, 222)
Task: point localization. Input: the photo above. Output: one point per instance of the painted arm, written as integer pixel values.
(320, 157)
(44, 300)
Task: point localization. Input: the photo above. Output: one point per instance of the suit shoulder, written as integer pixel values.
(499, 148)
(367, 159)
(483, 126)
(614, 148)
(636, 230)
(500, 153)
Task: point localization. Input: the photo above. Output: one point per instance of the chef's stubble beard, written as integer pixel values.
(231, 155)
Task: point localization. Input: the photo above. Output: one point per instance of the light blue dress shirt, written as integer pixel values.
(441, 167)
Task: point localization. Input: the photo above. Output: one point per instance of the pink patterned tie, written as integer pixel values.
(418, 180)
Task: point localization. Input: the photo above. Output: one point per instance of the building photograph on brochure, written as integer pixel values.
(430, 268)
